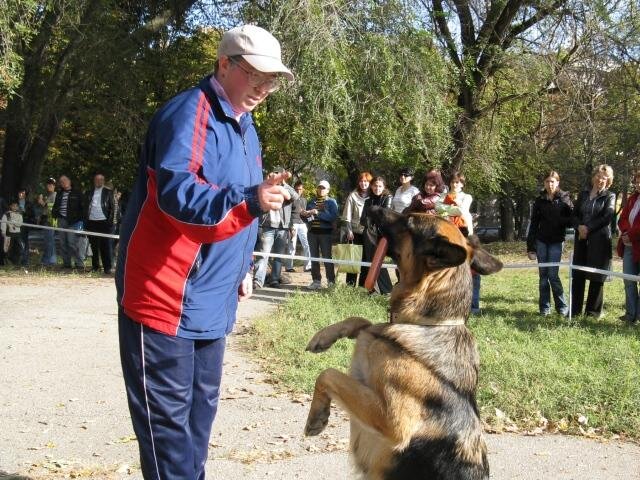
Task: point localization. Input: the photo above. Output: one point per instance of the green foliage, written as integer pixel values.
(106, 132)
(532, 368)
(370, 90)
(17, 27)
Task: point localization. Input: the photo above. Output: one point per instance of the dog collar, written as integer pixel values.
(395, 317)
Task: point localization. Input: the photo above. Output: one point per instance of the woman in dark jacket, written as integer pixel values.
(591, 218)
(550, 216)
(379, 196)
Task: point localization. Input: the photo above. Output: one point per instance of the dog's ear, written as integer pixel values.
(437, 249)
(483, 262)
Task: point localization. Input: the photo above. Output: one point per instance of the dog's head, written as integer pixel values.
(434, 260)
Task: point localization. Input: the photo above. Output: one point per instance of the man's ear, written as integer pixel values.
(483, 262)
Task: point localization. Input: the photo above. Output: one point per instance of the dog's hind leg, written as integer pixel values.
(349, 328)
(360, 401)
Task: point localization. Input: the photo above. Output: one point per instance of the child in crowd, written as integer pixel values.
(11, 233)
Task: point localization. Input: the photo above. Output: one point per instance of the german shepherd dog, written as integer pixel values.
(411, 389)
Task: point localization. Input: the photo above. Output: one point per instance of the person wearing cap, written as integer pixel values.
(405, 192)
(321, 213)
(185, 252)
(46, 202)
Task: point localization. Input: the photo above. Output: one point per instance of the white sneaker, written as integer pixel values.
(315, 285)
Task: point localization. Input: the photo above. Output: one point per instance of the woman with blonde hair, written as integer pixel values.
(592, 216)
(629, 250)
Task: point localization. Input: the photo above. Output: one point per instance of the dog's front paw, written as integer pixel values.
(320, 342)
(317, 422)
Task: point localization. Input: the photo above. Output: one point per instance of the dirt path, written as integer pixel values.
(64, 412)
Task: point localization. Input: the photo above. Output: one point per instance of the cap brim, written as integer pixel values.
(266, 64)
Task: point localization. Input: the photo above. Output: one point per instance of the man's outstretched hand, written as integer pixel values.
(271, 194)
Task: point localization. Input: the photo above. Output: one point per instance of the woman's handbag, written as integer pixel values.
(348, 251)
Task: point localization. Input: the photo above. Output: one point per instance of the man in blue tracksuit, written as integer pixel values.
(186, 243)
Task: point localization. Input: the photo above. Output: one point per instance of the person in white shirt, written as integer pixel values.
(405, 192)
(99, 218)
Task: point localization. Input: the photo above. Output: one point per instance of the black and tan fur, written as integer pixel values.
(410, 392)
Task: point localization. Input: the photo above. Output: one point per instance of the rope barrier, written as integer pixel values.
(610, 273)
(58, 229)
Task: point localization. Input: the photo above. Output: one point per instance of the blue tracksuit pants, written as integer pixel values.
(173, 385)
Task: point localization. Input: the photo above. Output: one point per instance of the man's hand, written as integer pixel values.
(350, 236)
(246, 288)
(626, 240)
(271, 194)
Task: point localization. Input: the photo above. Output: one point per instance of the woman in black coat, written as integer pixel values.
(592, 216)
(379, 196)
(550, 217)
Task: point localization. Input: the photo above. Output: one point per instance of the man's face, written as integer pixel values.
(322, 191)
(13, 207)
(299, 189)
(22, 194)
(51, 187)
(244, 85)
(98, 181)
(65, 183)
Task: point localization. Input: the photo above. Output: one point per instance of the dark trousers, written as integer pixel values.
(320, 245)
(352, 277)
(101, 245)
(595, 297)
(173, 386)
(24, 237)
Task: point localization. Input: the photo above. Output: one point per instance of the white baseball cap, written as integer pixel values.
(323, 183)
(258, 47)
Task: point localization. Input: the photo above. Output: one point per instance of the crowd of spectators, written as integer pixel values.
(314, 223)
(62, 205)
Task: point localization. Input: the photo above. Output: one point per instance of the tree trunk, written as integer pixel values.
(506, 219)
(15, 147)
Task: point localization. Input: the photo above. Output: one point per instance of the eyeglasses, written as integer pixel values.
(321, 187)
(255, 79)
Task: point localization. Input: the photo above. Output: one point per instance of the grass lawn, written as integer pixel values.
(580, 376)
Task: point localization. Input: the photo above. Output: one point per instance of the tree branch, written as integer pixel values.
(441, 23)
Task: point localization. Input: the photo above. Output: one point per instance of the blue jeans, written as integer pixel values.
(475, 293)
(631, 296)
(273, 240)
(549, 279)
(72, 246)
(49, 254)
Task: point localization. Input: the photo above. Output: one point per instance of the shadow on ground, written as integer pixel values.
(12, 476)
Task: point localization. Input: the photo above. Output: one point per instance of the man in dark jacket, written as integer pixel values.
(99, 211)
(68, 211)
